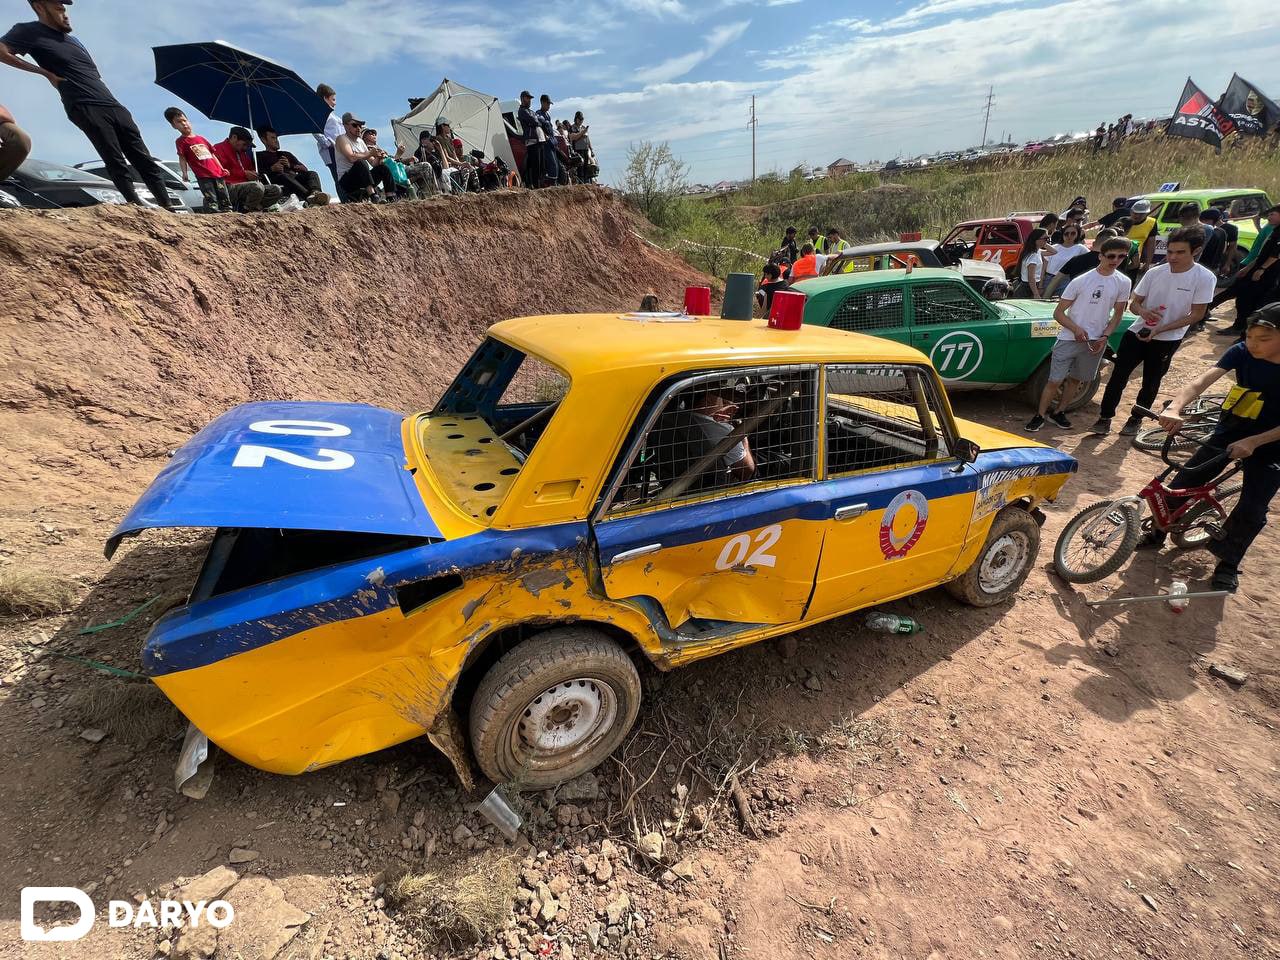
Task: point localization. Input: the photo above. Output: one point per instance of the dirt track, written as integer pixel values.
(1037, 780)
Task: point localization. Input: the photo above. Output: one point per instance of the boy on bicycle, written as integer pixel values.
(1248, 430)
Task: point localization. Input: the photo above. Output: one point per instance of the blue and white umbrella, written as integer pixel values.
(239, 88)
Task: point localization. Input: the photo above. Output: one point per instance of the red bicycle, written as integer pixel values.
(1098, 540)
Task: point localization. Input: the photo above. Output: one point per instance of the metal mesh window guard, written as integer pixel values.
(879, 416)
(945, 303)
(720, 432)
(875, 309)
(534, 382)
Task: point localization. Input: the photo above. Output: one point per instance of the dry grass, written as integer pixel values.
(30, 593)
(463, 904)
(134, 711)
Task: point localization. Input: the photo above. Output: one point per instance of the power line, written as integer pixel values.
(753, 123)
(987, 119)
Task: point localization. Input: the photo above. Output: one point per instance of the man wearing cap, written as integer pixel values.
(248, 193)
(65, 62)
(551, 163)
(357, 175)
(1143, 231)
(529, 133)
(1119, 208)
(1248, 430)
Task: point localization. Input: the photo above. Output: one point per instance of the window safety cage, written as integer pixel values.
(718, 432)
(870, 310)
(881, 416)
(945, 303)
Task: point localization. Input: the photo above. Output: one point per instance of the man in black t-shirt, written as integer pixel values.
(1248, 430)
(1215, 240)
(1119, 208)
(65, 62)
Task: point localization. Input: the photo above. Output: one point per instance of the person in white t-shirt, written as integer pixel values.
(1089, 312)
(1071, 246)
(1168, 300)
(1031, 265)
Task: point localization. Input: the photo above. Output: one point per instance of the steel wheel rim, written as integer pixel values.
(1003, 562)
(564, 722)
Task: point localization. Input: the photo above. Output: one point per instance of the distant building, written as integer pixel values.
(725, 186)
(839, 168)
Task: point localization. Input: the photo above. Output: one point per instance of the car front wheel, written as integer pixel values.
(553, 708)
(1004, 563)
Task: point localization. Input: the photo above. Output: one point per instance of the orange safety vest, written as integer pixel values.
(806, 266)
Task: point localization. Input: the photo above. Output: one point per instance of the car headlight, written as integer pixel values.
(105, 195)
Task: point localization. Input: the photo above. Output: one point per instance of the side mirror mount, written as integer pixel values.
(968, 451)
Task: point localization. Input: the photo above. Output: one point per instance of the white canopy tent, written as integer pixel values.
(475, 117)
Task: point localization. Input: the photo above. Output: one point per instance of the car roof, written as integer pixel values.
(1196, 194)
(887, 247)
(815, 285)
(599, 343)
(985, 220)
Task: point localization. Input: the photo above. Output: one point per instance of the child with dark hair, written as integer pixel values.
(195, 153)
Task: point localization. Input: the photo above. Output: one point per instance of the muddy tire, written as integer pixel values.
(1120, 528)
(553, 708)
(1034, 388)
(1003, 564)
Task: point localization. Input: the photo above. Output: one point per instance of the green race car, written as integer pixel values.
(975, 344)
(1239, 205)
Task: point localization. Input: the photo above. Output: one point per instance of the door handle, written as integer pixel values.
(851, 511)
(637, 552)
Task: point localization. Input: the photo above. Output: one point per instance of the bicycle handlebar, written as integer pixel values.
(1222, 456)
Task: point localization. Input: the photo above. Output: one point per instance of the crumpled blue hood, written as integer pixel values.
(295, 466)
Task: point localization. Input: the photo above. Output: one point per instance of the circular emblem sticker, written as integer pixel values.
(957, 355)
(903, 524)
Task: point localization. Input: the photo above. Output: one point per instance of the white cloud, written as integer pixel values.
(677, 67)
(558, 61)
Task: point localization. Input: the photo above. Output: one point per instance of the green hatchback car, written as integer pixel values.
(1240, 205)
(975, 344)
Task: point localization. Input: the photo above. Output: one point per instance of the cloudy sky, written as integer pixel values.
(831, 78)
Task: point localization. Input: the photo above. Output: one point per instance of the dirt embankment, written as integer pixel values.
(126, 331)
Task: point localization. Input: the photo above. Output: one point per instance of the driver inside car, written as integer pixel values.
(713, 413)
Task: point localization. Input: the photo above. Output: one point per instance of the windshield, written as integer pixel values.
(489, 420)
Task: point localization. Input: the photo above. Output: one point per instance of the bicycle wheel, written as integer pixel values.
(1193, 530)
(1211, 404)
(1096, 542)
(1153, 437)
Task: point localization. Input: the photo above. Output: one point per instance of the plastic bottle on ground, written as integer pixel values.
(892, 623)
(1178, 589)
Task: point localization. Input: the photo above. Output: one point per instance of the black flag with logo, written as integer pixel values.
(1197, 117)
(1248, 111)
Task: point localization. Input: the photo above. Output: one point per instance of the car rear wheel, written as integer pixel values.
(1004, 563)
(553, 708)
(1034, 388)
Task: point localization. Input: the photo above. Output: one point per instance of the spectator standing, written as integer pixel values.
(580, 141)
(531, 134)
(1099, 137)
(65, 62)
(1089, 312)
(248, 193)
(1119, 208)
(1258, 283)
(1142, 230)
(806, 264)
(1084, 262)
(327, 138)
(550, 165)
(789, 245)
(1169, 299)
(1049, 223)
(1069, 245)
(1230, 291)
(833, 245)
(1031, 264)
(15, 145)
(195, 154)
(815, 238)
(1214, 253)
(288, 172)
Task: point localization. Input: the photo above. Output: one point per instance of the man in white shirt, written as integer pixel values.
(332, 131)
(1089, 312)
(1168, 300)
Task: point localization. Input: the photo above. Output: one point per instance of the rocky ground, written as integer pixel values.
(1041, 779)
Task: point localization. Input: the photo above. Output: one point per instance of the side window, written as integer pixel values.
(945, 303)
(875, 309)
(720, 432)
(881, 416)
(1002, 234)
(1250, 205)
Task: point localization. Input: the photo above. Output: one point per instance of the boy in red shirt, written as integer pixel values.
(196, 153)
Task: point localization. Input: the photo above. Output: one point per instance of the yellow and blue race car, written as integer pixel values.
(592, 491)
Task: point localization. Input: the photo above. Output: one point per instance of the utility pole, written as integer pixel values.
(752, 124)
(987, 119)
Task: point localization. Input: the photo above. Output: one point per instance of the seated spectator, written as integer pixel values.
(423, 165)
(358, 177)
(195, 154)
(456, 173)
(248, 192)
(14, 143)
(770, 285)
(401, 187)
(288, 172)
